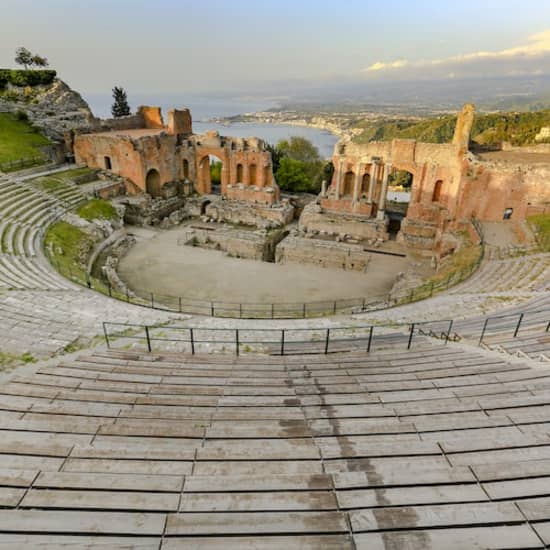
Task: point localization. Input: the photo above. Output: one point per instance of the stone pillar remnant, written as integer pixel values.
(383, 192)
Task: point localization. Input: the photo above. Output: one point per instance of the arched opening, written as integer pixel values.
(204, 204)
(185, 167)
(252, 175)
(152, 183)
(107, 162)
(210, 174)
(436, 197)
(240, 176)
(397, 199)
(347, 187)
(365, 182)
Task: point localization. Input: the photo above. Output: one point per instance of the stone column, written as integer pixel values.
(339, 179)
(383, 192)
(324, 188)
(372, 182)
(357, 183)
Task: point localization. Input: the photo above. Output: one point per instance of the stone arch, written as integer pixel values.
(438, 188)
(347, 185)
(240, 173)
(152, 183)
(252, 174)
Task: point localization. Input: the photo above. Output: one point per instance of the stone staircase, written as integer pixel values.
(428, 448)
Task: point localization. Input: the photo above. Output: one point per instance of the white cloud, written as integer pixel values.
(533, 57)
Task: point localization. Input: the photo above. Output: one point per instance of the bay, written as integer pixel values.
(203, 108)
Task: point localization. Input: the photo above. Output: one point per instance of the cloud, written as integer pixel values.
(531, 58)
(379, 66)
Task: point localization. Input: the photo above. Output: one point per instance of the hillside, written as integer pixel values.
(49, 104)
(18, 139)
(488, 129)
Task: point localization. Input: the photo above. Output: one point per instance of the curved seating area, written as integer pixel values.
(438, 447)
(41, 312)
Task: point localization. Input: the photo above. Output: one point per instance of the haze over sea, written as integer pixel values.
(203, 108)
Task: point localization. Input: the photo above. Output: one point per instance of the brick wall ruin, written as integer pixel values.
(150, 155)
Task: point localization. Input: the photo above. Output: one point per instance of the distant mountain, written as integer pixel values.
(489, 94)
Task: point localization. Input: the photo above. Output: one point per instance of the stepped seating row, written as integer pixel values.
(45, 322)
(25, 212)
(429, 448)
(525, 273)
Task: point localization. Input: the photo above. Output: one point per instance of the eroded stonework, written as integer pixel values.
(151, 156)
(450, 186)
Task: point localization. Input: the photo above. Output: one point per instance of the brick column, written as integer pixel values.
(383, 192)
(357, 183)
(372, 182)
(339, 179)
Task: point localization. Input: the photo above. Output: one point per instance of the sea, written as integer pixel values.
(204, 108)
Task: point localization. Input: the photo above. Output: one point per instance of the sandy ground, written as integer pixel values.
(161, 266)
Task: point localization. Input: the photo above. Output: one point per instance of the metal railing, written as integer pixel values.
(510, 324)
(320, 340)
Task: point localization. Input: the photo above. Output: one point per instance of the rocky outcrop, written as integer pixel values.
(53, 108)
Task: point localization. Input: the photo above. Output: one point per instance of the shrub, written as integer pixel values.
(19, 77)
(21, 115)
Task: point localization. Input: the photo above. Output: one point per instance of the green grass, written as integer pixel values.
(97, 209)
(69, 245)
(9, 360)
(18, 139)
(59, 179)
(541, 226)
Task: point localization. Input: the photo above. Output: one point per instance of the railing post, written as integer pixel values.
(110, 289)
(282, 341)
(192, 341)
(449, 331)
(272, 311)
(304, 311)
(518, 325)
(240, 310)
(432, 288)
(334, 308)
(371, 329)
(410, 336)
(148, 338)
(237, 341)
(327, 339)
(127, 295)
(483, 331)
(179, 302)
(106, 336)
(152, 301)
(212, 309)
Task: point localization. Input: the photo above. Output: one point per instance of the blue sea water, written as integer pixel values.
(203, 108)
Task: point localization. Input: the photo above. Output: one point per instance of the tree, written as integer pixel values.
(292, 175)
(39, 61)
(305, 172)
(23, 57)
(120, 105)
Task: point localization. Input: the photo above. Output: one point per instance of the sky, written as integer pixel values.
(217, 46)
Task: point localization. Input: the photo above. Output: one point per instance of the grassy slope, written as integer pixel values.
(541, 225)
(18, 139)
(517, 128)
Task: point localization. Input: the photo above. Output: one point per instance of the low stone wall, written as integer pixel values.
(240, 244)
(256, 215)
(322, 253)
(315, 219)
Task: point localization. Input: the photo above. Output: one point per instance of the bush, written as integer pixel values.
(21, 115)
(19, 77)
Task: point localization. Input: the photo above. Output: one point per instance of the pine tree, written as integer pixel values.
(120, 106)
